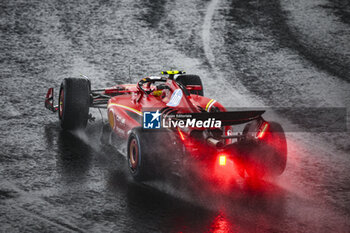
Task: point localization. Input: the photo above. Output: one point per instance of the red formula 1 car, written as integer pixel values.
(186, 127)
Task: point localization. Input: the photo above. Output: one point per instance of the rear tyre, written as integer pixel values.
(269, 157)
(190, 79)
(148, 153)
(74, 103)
(140, 155)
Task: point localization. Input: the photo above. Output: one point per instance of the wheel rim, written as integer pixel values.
(133, 154)
(61, 103)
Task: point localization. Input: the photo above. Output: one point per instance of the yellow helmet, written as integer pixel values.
(157, 93)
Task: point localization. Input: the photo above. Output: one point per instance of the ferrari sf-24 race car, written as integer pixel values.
(168, 122)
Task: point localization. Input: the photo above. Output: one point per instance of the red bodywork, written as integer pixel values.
(220, 149)
(125, 111)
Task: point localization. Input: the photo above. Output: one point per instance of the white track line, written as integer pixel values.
(206, 32)
(219, 87)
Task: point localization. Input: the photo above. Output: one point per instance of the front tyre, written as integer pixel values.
(190, 79)
(74, 103)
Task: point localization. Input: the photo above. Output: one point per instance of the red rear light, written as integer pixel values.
(222, 160)
(262, 131)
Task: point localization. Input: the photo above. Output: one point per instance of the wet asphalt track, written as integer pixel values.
(272, 53)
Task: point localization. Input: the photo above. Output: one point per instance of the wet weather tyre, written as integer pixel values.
(269, 158)
(150, 153)
(74, 103)
(190, 79)
(139, 155)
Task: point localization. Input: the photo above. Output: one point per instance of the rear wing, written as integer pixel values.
(227, 118)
